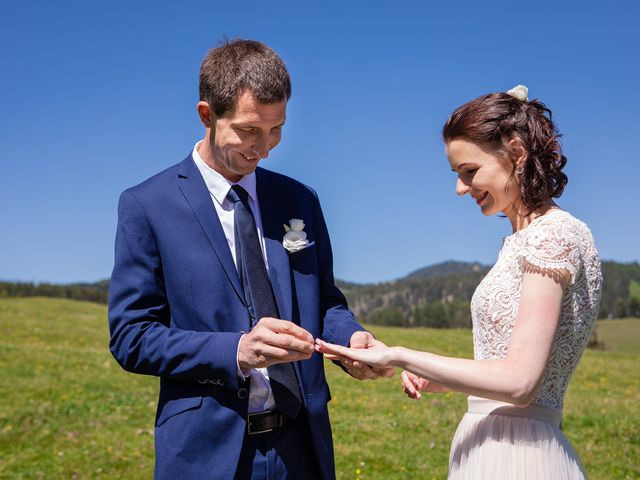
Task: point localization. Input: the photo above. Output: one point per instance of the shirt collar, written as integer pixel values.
(218, 185)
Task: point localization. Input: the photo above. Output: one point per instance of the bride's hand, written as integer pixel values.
(379, 356)
(414, 384)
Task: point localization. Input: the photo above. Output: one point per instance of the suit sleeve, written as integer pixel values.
(142, 340)
(339, 321)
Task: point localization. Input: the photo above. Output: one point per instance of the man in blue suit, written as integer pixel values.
(223, 278)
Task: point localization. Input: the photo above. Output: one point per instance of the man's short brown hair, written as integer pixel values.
(240, 65)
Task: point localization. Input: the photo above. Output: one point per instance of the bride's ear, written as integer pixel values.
(519, 153)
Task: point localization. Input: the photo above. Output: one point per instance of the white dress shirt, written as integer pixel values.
(260, 396)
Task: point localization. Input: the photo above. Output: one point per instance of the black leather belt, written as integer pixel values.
(264, 422)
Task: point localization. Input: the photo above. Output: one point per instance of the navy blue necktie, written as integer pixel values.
(259, 296)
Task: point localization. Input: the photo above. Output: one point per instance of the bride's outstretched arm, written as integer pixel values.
(513, 379)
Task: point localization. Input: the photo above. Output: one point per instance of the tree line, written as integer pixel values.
(437, 296)
(91, 292)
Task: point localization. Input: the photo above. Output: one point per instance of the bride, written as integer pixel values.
(532, 314)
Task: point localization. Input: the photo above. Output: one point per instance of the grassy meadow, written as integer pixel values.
(67, 410)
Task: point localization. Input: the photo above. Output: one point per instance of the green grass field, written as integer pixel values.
(68, 411)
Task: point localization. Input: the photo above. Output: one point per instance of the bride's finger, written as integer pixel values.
(326, 351)
(410, 388)
(406, 380)
(325, 347)
(417, 382)
(407, 383)
(411, 393)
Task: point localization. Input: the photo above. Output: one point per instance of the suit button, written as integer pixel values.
(243, 393)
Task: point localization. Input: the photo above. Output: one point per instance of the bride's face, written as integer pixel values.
(483, 176)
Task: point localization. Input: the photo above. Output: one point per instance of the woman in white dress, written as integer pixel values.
(532, 314)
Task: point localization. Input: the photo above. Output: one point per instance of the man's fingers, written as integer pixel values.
(356, 370)
(263, 347)
(270, 355)
(286, 341)
(361, 339)
(362, 371)
(360, 375)
(385, 372)
(286, 327)
(347, 363)
(373, 373)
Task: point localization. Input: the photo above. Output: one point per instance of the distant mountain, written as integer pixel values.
(444, 269)
(435, 296)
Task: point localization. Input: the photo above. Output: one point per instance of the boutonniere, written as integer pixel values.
(295, 238)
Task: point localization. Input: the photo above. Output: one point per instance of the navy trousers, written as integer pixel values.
(283, 454)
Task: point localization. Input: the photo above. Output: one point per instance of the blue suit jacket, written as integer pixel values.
(176, 310)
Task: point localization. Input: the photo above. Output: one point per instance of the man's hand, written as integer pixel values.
(274, 341)
(362, 371)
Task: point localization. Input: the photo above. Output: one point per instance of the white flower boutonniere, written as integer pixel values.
(295, 239)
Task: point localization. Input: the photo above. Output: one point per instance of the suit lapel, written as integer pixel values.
(272, 212)
(195, 192)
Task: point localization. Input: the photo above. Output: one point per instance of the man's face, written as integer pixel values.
(244, 135)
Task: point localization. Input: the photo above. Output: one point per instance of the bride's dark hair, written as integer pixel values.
(492, 120)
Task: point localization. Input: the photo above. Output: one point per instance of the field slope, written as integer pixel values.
(68, 411)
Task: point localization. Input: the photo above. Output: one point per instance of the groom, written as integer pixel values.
(209, 295)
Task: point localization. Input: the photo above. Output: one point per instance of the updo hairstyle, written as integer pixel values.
(492, 120)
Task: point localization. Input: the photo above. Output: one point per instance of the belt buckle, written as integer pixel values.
(250, 416)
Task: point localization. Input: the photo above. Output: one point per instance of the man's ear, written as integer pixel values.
(207, 117)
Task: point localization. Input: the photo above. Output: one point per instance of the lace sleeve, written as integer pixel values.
(552, 248)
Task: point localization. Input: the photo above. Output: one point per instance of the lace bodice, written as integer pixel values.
(554, 242)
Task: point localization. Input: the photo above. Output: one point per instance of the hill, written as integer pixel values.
(447, 268)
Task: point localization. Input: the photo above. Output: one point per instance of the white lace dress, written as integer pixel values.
(496, 440)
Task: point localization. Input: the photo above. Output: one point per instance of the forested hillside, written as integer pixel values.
(439, 296)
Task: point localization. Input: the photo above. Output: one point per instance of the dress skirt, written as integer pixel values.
(499, 441)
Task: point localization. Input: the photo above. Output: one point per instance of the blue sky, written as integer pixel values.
(97, 96)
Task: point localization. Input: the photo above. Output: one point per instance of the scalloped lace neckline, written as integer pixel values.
(550, 212)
